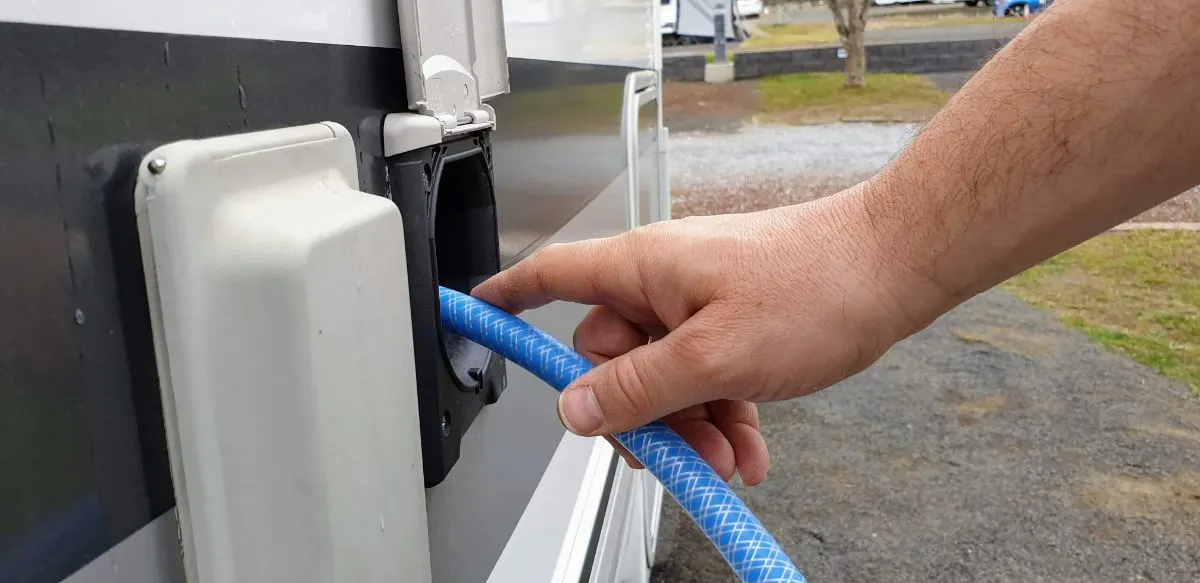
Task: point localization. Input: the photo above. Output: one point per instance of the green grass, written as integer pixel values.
(934, 20)
(1134, 292)
(827, 90)
(794, 34)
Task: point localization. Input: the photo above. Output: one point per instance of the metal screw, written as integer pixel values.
(79, 317)
(157, 166)
(446, 424)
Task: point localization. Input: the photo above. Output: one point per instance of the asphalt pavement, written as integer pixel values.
(994, 446)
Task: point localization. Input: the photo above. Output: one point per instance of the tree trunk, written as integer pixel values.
(850, 19)
(856, 59)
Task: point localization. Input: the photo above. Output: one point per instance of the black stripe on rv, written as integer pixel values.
(82, 449)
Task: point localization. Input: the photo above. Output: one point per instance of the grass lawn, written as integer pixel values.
(822, 33)
(794, 34)
(817, 96)
(1135, 292)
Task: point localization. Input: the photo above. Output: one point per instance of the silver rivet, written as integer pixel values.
(157, 166)
(79, 317)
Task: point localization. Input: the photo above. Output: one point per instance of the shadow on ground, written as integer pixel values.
(994, 446)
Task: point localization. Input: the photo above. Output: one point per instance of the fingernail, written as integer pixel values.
(579, 412)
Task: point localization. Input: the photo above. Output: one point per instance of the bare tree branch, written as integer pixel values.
(839, 20)
(860, 8)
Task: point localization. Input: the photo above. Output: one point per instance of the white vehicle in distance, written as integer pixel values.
(749, 8)
(690, 22)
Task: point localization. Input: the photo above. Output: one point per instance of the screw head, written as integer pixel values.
(446, 424)
(79, 317)
(157, 166)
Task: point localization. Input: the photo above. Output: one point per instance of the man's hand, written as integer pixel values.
(697, 319)
(1085, 119)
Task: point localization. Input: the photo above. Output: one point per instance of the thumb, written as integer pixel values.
(644, 384)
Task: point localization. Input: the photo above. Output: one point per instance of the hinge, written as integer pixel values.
(405, 132)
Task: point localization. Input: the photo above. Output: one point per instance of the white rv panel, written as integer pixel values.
(352, 22)
(585, 31)
(606, 32)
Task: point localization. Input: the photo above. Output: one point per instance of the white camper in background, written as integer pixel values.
(689, 22)
(223, 227)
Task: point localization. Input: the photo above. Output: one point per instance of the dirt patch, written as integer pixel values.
(1145, 497)
(724, 107)
(709, 106)
(910, 463)
(1007, 339)
(972, 412)
(767, 193)
(1167, 431)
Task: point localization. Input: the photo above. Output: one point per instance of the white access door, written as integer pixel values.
(279, 303)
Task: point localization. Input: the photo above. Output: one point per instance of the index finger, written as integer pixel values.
(592, 271)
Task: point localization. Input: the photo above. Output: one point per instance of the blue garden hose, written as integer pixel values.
(742, 540)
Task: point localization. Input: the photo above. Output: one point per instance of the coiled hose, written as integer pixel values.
(742, 540)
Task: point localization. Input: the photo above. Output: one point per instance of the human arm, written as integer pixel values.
(1089, 117)
(1085, 119)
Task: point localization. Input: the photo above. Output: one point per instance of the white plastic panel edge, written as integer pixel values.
(279, 304)
(621, 529)
(574, 553)
(652, 497)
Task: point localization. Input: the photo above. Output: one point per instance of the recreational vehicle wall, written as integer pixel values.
(222, 229)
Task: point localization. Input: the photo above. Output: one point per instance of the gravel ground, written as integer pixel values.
(994, 446)
(767, 166)
(784, 153)
(750, 167)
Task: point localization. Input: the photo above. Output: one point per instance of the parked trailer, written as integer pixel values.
(689, 22)
(223, 229)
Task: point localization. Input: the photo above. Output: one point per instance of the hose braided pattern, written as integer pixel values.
(733, 529)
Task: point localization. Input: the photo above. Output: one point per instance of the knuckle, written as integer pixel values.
(551, 249)
(626, 397)
(707, 351)
(543, 278)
